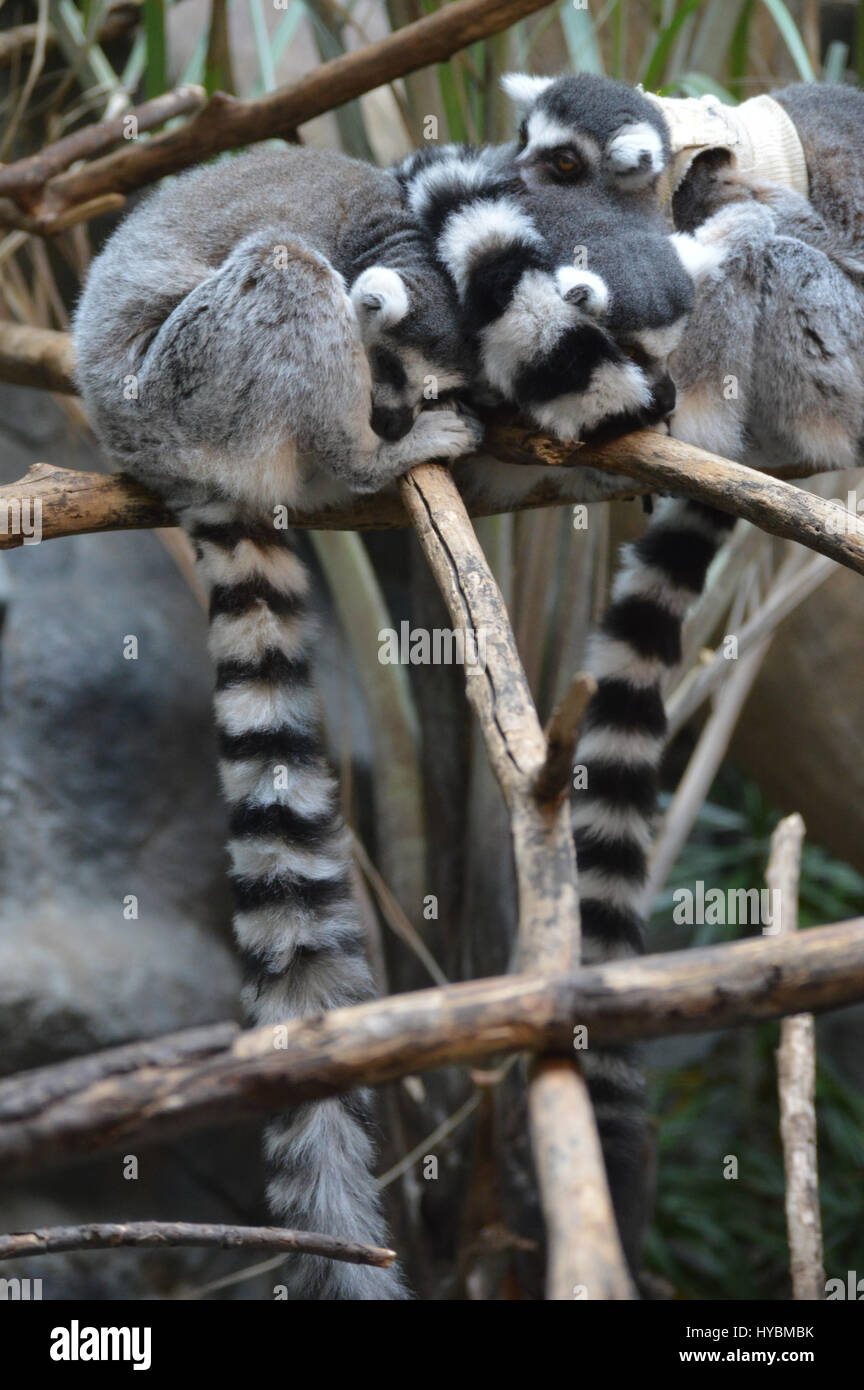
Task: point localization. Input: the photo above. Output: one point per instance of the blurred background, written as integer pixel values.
(114, 912)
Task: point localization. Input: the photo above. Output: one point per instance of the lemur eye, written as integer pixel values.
(565, 162)
(523, 136)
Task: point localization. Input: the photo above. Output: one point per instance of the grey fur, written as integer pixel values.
(236, 339)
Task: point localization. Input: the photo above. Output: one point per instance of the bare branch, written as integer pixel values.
(562, 732)
(206, 1077)
(23, 179)
(796, 1081)
(226, 123)
(46, 1240)
(583, 1236)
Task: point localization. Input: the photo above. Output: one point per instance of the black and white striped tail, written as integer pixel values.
(296, 925)
(533, 321)
(620, 750)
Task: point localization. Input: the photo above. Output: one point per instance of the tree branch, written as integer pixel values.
(796, 1082)
(583, 1237)
(227, 123)
(207, 1077)
(46, 1240)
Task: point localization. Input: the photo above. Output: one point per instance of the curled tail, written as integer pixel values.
(296, 925)
(535, 324)
(619, 755)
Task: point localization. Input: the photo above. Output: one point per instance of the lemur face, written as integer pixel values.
(414, 346)
(580, 126)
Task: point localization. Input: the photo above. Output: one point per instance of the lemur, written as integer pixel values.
(779, 312)
(261, 333)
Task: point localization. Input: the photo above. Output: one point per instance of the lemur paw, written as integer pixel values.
(445, 434)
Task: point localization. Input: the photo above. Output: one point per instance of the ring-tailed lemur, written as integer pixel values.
(770, 367)
(241, 338)
(580, 349)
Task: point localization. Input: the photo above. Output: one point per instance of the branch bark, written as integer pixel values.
(207, 1077)
(584, 1249)
(47, 1240)
(227, 123)
(796, 1081)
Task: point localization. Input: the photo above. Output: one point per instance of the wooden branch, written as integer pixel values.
(796, 1080)
(206, 1077)
(23, 179)
(562, 733)
(37, 357)
(46, 1240)
(227, 123)
(583, 1237)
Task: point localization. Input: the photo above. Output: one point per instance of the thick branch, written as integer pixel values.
(796, 1080)
(583, 1237)
(146, 1092)
(227, 123)
(110, 1235)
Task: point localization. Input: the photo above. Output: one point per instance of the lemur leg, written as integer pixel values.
(263, 362)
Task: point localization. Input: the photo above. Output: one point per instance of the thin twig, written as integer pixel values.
(796, 1082)
(47, 1240)
(227, 123)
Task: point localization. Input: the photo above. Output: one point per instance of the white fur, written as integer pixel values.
(310, 791)
(660, 343)
(459, 171)
(478, 228)
(610, 658)
(544, 133)
(379, 296)
(255, 706)
(614, 388)
(625, 150)
(583, 288)
(524, 89)
(700, 259)
(530, 327)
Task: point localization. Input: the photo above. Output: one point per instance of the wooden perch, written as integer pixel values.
(48, 1240)
(73, 503)
(583, 1237)
(796, 1081)
(206, 1077)
(227, 123)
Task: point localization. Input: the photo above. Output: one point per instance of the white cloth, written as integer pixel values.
(759, 135)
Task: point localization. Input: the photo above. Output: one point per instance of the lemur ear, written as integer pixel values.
(699, 259)
(380, 293)
(524, 89)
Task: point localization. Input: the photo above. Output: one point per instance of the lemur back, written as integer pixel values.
(236, 338)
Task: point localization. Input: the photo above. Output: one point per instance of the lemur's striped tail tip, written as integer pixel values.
(296, 924)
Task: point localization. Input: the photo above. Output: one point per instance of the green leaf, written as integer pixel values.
(656, 65)
(156, 66)
(581, 37)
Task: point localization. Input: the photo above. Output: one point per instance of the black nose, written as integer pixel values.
(665, 395)
(391, 423)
